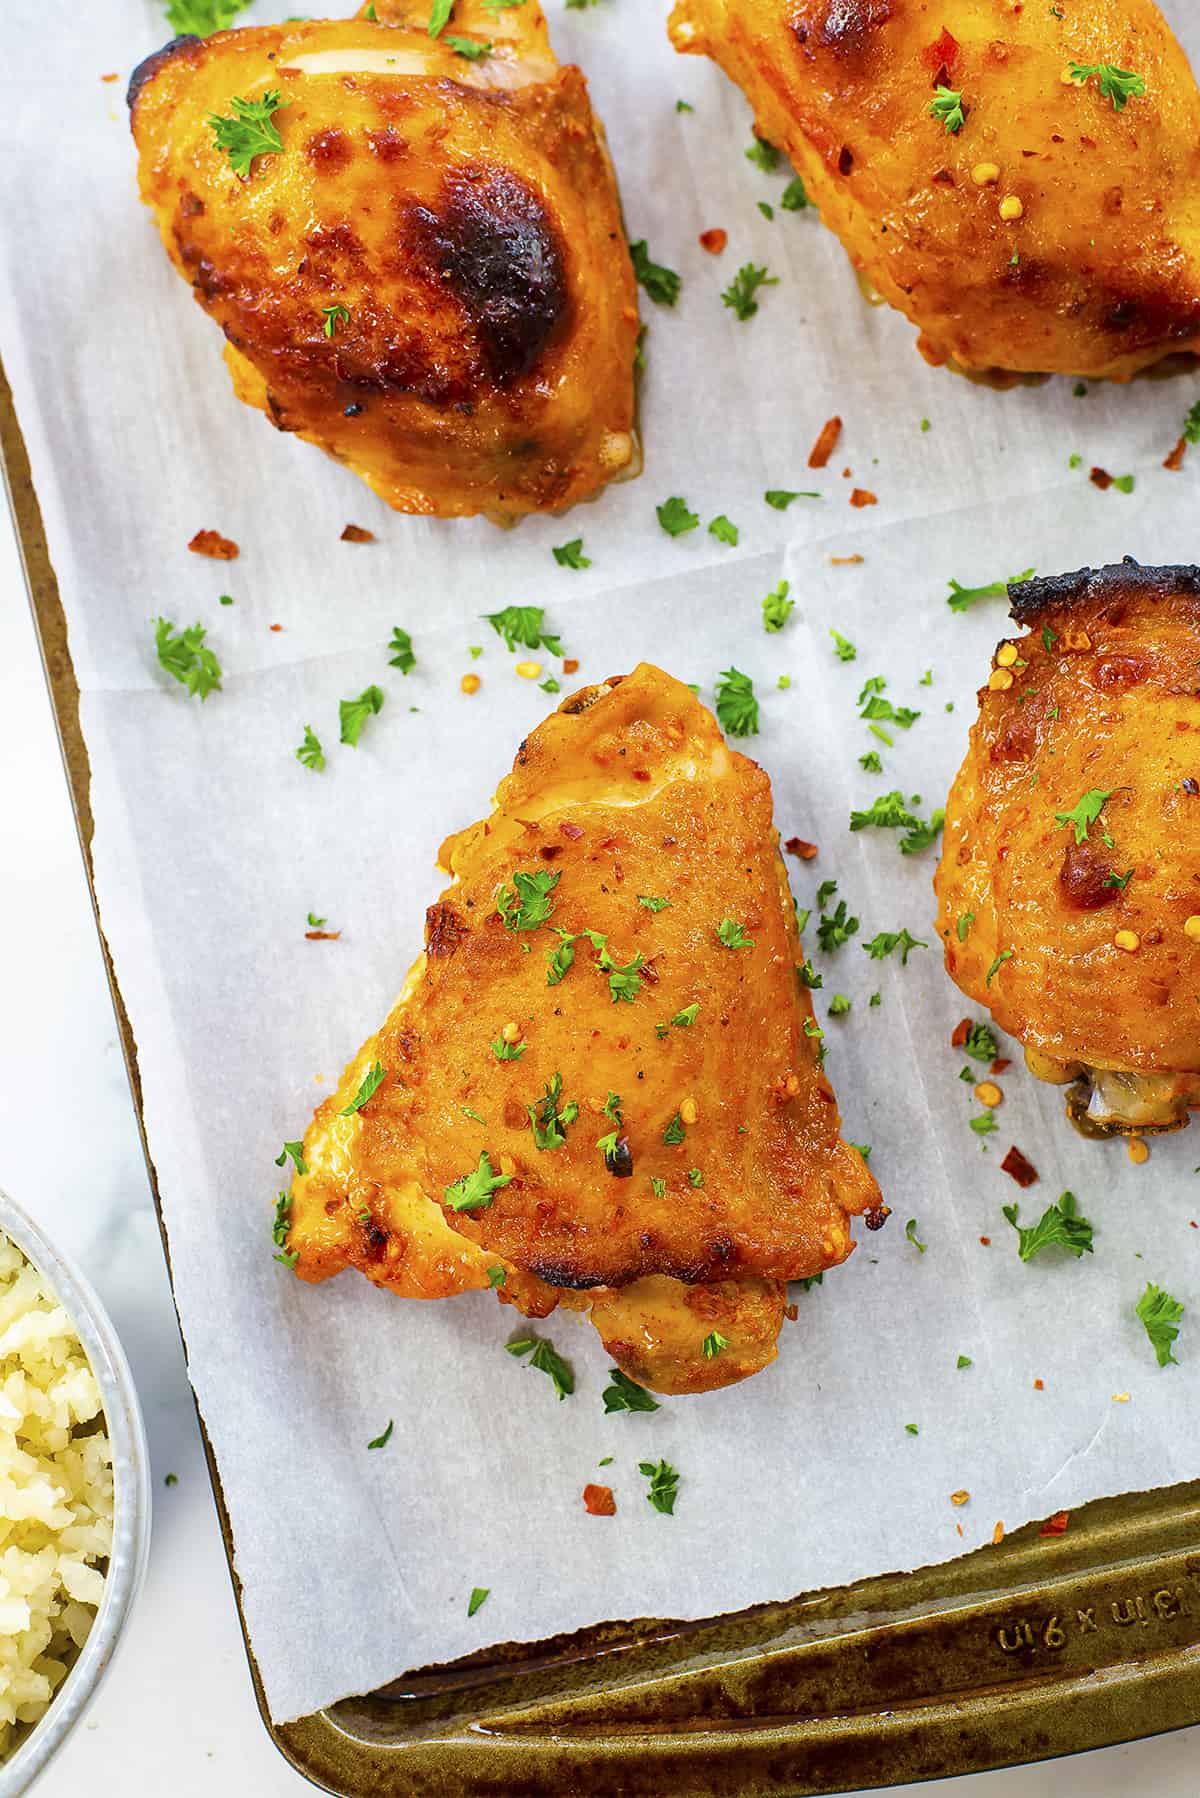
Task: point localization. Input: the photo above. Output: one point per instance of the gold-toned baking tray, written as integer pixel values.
(1039, 1646)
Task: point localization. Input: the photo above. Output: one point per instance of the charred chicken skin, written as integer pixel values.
(428, 276)
(597, 1088)
(1069, 884)
(1020, 181)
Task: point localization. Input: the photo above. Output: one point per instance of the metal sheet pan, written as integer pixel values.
(1042, 1645)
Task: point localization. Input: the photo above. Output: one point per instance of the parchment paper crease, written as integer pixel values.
(213, 843)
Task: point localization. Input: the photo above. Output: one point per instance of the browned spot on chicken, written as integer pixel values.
(444, 929)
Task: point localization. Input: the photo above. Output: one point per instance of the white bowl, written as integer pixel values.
(131, 1499)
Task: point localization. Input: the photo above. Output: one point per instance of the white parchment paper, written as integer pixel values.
(213, 843)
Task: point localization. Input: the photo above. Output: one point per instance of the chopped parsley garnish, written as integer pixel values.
(664, 1484)
(683, 1020)
(695, 1177)
(475, 1191)
(836, 929)
(547, 1360)
(496, 1277)
(281, 1223)
(296, 1151)
(674, 1131)
(780, 498)
(947, 106)
(334, 316)
(809, 977)
(870, 762)
(508, 1051)
(250, 132)
(874, 706)
(1119, 880)
(659, 1186)
(1061, 1227)
(439, 16)
(724, 530)
(652, 903)
(777, 608)
(185, 655)
(739, 295)
(712, 1345)
(963, 597)
(549, 1121)
(843, 649)
(479, 1595)
(523, 625)
(763, 155)
(680, 105)
(964, 1361)
(913, 1429)
(910, 1231)
(200, 18)
(839, 1005)
(372, 1080)
(963, 927)
(561, 959)
(662, 284)
(1191, 424)
(795, 196)
(882, 945)
(736, 706)
(980, 1043)
(1117, 85)
(570, 555)
(985, 1124)
(922, 836)
(612, 1110)
(1160, 1314)
(310, 751)
(474, 49)
(353, 713)
(315, 923)
(550, 685)
(675, 517)
(383, 1440)
(1085, 813)
(1004, 955)
(626, 1395)
(733, 934)
(526, 905)
(402, 656)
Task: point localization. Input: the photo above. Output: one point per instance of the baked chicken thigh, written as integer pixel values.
(1069, 884)
(413, 246)
(1019, 180)
(601, 1084)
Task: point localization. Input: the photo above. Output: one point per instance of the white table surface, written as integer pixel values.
(177, 1714)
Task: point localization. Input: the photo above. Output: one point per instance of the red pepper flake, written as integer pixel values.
(846, 473)
(998, 1534)
(571, 665)
(1001, 1065)
(959, 1528)
(1019, 1168)
(823, 448)
(877, 1217)
(862, 496)
(986, 1241)
(322, 936)
(598, 1501)
(962, 1031)
(714, 241)
(797, 846)
(791, 1312)
(113, 77)
(274, 627)
(571, 830)
(1056, 1525)
(354, 533)
(1101, 478)
(941, 55)
(845, 561)
(1175, 460)
(211, 543)
(1039, 1385)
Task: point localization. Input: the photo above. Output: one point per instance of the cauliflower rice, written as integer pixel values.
(56, 1496)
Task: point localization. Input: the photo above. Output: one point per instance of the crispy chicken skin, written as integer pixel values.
(1098, 917)
(724, 1174)
(1076, 251)
(465, 216)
